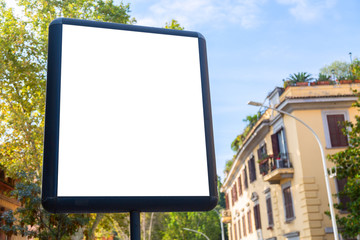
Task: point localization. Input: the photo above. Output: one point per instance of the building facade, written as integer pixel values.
(6, 202)
(276, 186)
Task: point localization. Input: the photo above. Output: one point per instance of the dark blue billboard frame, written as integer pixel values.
(51, 202)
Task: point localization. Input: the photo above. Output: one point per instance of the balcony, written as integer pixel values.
(6, 183)
(226, 216)
(276, 169)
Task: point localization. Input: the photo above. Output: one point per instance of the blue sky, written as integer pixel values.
(253, 44)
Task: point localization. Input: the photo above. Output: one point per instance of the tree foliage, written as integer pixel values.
(28, 221)
(348, 167)
(251, 121)
(355, 68)
(173, 25)
(205, 222)
(23, 57)
(341, 69)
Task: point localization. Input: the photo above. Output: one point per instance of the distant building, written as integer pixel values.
(6, 202)
(276, 189)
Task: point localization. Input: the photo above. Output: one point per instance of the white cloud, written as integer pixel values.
(308, 11)
(216, 13)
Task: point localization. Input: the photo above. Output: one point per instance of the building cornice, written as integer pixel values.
(289, 104)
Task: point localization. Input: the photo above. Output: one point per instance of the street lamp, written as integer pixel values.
(191, 230)
(221, 225)
(332, 213)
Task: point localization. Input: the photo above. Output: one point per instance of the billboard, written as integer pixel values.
(128, 120)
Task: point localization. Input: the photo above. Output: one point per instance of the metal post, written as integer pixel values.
(135, 225)
(221, 225)
(331, 204)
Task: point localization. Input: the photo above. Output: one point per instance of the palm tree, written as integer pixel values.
(299, 77)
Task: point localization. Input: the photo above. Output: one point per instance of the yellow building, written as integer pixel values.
(276, 186)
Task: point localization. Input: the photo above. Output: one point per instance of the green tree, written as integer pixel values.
(251, 120)
(173, 25)
(355, 69)
(348, 167)
(205, 222)
(28, 221)
(341, 69)
(171, 225)
(23, 57)
(228, 165)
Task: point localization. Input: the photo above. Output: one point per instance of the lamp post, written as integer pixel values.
(332, 212)
(221, 225)
(191, 230)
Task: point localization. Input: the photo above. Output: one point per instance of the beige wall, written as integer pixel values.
(308, 188)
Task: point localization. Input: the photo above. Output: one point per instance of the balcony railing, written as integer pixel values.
(275, 169)
(226, 216)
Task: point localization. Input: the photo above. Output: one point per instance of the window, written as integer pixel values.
(278, 143)
(240, 185)
(244, 225)
(288, 203)
(262, 153)
(239, 229)
(257, 217)
(269, 211)
(249, 221)
(234, 194)
(252, 171)
(343, 200)
(235, 232)
(246, 185)
(279, 149)
(227, 201)
(333, 122)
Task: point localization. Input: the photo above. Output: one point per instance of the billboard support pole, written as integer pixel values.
(135, 225)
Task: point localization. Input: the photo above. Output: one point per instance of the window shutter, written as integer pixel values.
(235, 231)
(235, 191)
(227, 201)
(262, 151)
(245, 179)
(288, 203)
(269, 212)
(240, 185)
(239, 229)
(275, 145)
(257, 217)
(259, 152)
(233, 194)
(244, 225)
(264, 147)
(335, 123)
(249, 221)
(252, 171)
